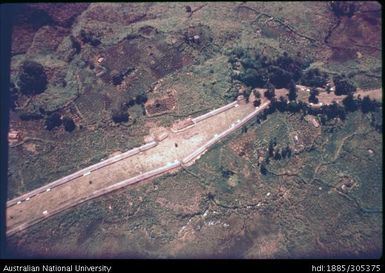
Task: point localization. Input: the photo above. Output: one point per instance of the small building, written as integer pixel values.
(14, 136)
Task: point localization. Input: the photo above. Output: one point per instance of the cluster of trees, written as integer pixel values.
(343, 85)
(343, 8)
(32, 78)
(120, 113)
(117, 77)
(55, 120)
(275, 153)
(313, 95)
(325, 112)
(261, 70)
(314, 78)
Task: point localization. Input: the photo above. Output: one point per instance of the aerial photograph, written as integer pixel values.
(195, 130)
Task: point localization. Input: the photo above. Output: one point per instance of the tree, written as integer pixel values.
(281, 104)
(69, 124)
(52, 121)
(263, 169)
(367, 105)
(141, 99)
(271, 148)
(32, 78)
(257, 102)
(288, 151)
(292, 90)
(257, 94)
(343, 85)
(349, 103)
(270, 92)
(120, 115)
(246, 94)
(293, 107)
(116, 77)
(343, 8)
(313, 95)
(277, 155)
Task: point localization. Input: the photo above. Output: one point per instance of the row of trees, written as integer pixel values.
(284, 71)
(55, 120)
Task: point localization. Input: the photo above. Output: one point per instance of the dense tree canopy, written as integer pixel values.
(343, 85)
(314, 78)
(32, 78)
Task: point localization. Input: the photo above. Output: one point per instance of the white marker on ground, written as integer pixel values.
(87, 173)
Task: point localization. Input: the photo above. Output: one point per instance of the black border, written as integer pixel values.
(7, 12)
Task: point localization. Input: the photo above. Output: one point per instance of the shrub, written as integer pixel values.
(52, 121)
(88, 38)
(120, 115)
(69, 124)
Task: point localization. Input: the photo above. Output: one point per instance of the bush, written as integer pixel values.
(32, 78)
(120, 115)
(88, 38)
(52, 121)
(69, 124)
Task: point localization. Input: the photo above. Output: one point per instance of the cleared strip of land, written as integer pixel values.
(179, 148)
(128, 168)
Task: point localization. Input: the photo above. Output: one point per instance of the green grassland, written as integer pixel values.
(295, 210)
(313, 219)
